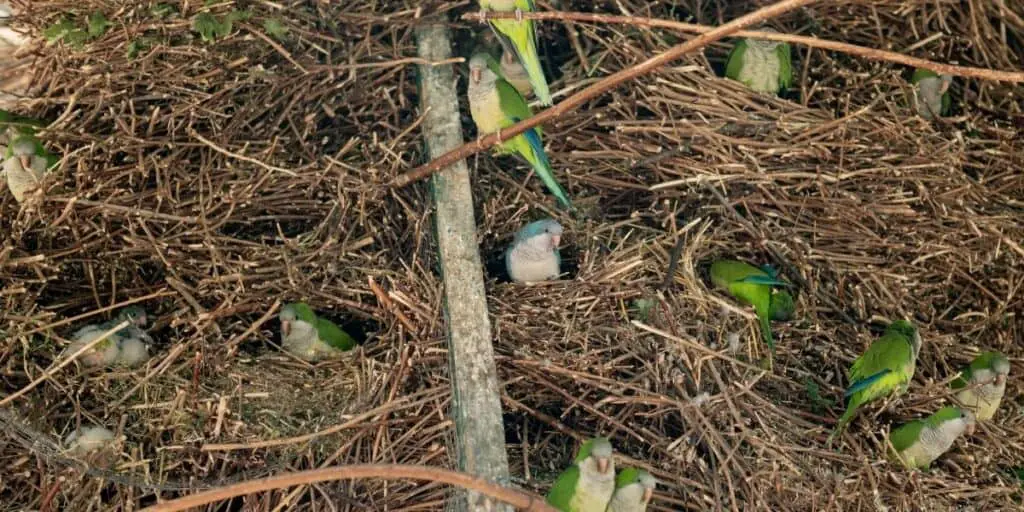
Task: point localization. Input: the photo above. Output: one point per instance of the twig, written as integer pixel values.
(49, 372)
(595, 90)
(519, 499)
(237, 156)
(385, 302)
(814, 42)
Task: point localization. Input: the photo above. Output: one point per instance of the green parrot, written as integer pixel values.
(634, 489)
(519, 38)
(588, 484)
(764, 66)
(918, 443)
(931, 93)
(127, 346)
(25, 160)
(756, 287)
(885, 369)
(310, 337)
(982, 384)
(495, 104)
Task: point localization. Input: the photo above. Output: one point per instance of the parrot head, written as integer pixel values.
(907, 330)
(958, 417)
(23, 147)
(991, 366)
(287, 316)
(600, 448)
(765, 44)
(630, 476)
(482, 69)
(135, 315)
(543, 234)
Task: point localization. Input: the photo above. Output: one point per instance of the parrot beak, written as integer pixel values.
(475, 74)
(648, 494)
(286, 327)
(554, 240)
(602, 464)
(970, 429)
(1000, 379)
(26, 162)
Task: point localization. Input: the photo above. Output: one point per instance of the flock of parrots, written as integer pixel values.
(497, 89)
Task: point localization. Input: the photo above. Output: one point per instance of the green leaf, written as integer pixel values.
(206, 25)
(134, 47)
(76, 38)
(275, 28)
(58, 31)
(98, 24)
(163, 10)
(227, 25)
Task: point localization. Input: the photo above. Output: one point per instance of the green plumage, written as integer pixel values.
(916, 452)
(327, 332)
(764, 66)
(494, 105)
(580, 488)
(520, 38)
(755, 287)
(885, 368)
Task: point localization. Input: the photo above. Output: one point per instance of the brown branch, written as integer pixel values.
(852, 49)
(519, 499)
(595, 90)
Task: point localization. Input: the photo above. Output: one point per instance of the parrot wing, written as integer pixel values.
(785, 65)
(735, 62)
(885, 365)
(905, 436)
(962, 381)
(332, 335)
(561, 493)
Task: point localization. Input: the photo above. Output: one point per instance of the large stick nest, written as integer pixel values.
(219, 179)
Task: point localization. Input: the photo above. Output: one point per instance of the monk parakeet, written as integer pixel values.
(920, 442)
(519, 38)
(88, 439)
(25, 160)
(588, 484)
(533, 255)
(932, 93)
(310, 337)
(764, 66)
(982, 384)
(495, 104)
(756, 287)
(885, 369)
(109, 351)
(634, 489)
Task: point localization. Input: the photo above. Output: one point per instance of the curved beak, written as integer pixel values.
(602, 464)
(555, 239)
(970, 429)
(26, 162)
(648, 494)
(475, 74)
(1000, 379)
(286, 327)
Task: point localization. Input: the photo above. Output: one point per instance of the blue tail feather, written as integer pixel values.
(767, 280)
(862, 384)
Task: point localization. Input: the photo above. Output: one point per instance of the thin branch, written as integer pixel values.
(852, 49)
(519, 499)
(608, 83)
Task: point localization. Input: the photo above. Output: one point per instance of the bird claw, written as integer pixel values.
(519, 15)
(498, 133)
(480, 142)
(483, 16)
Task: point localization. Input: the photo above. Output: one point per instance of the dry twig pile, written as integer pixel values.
(218, 180)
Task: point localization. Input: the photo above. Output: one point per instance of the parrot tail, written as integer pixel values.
(542, 166)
